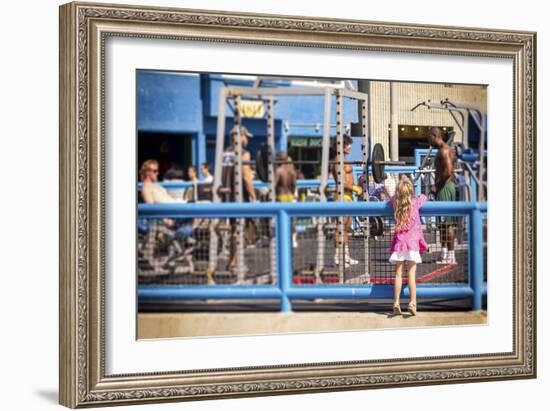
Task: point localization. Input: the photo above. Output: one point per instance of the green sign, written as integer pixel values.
(298, 142)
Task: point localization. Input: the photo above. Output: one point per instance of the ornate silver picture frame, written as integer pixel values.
(84, 30)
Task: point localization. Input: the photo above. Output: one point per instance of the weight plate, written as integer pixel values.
(262, 162)
(377, 168)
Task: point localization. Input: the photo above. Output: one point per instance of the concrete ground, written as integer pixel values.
(173, 325)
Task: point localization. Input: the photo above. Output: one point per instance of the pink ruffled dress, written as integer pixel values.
(407, 243)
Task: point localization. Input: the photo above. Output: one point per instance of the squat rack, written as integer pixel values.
(267, 95)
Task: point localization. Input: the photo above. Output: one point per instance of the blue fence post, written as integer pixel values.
(284, 258)
(476, 250)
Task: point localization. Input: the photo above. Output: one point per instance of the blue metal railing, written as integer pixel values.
(181, 185)
(303, 183)
(285, 291)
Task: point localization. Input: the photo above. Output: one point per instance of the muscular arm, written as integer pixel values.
(443, 166)
(247, 177)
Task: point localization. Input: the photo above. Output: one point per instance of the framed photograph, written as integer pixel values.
(262, 204)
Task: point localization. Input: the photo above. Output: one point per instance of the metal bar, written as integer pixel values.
(325, 157)
(271, 91)
(306, 209)
(481, 149)
(176, 292)
(220, 142)
(238, 178)
(460, 126)
(365, 122)
(391, 163)
(466, 135)
(476, 251)
(356, 95)
(306, 292)
(271, 176)
(365, 149)
(271, 149)
(310, 125)
(445, 106)
(284, 258)
(478, 122)
(377, 291)
(304, 183)
(326, 143)
(340, 183)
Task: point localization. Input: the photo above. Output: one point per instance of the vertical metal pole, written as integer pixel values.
(340, 182)
(460, 126)
(271, 146)
(366, 150)
(476, 251)
(271, 176)
(466, 132)
(325, 150)
(325, 157)
(394, 110)
(474, 188)
(220, 142)
(237, 146)
(481, 188)
(284, 258)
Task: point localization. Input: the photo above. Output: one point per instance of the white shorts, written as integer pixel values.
(405, 256)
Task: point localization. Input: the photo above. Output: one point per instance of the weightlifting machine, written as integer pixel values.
(373, 161)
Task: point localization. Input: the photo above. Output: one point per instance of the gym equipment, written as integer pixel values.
(464, 112)
(265, 163)
(377, 163)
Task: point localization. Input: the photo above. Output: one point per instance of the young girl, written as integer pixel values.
(408, 240)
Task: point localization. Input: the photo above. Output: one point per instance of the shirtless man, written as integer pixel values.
(152, 192)
(285, 184)
(444, 190)
(349, 189)
(285, 179)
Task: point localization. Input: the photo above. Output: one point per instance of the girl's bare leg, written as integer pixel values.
(398, 282)
(411, 267)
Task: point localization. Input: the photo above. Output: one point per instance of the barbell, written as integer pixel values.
(377, 163)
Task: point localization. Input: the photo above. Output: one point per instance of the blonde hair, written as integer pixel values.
(403, 201)
(145, 167)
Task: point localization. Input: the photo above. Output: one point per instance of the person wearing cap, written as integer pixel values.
(228, 167)
(228, 181)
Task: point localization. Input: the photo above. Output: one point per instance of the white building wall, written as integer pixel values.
(409, 95)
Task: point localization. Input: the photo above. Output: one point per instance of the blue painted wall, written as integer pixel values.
(188, 103)
(168, 102)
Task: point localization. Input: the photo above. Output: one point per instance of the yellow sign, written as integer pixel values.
(251, 109)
